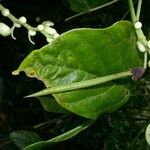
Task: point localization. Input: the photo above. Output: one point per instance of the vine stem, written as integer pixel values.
(132, 11)
(81, 84)
(91, 10)
(139, 32)
(139, 10)
(140, 35)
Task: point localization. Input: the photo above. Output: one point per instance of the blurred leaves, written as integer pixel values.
(23, 138)
(85, 5)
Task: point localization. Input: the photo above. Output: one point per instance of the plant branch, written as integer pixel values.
(139, 10)
(91, 10)
(79, 85)
(15, 20)
(132, 11)
(26, 25)
(140, 35)
(139, 32)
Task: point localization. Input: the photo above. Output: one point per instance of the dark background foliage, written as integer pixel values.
(121, 130)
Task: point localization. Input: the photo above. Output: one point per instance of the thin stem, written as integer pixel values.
(139, 10)
(82, 84)
(139, 32)
(132, 11)
(91, 10)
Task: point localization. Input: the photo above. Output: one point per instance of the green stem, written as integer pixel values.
(26, 25)
(139, 32)
(132, 11)
(15, 20)
(139, 10)
(91, 10)
(140, 35)
(81, 84)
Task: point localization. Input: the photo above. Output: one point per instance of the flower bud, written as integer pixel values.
(138, 25)
(4, 29)
(141, 47)
(56, 35)
(5, 12)
(17, 25)
(40, 27)
(22, 20)
(49, 40)
(32, 32)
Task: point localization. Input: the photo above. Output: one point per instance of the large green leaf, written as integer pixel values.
(83, 54)
(85, 5)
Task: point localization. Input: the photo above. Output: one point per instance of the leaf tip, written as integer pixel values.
(16, 72)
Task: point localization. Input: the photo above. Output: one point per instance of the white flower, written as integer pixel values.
(50, 30)
(31, 33)
(4, 29)
(147, 134)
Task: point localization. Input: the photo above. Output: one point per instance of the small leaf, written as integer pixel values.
(24, 138)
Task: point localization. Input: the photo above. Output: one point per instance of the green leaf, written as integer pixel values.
(24, 138)
(83, 54)
(60, 138)
(50, 105)
(85, 5)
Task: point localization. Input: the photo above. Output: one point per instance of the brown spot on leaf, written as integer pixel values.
(32, 73)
